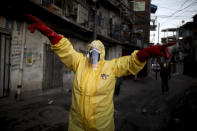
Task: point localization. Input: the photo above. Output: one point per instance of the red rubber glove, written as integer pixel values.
(154, 50)
(39, 25)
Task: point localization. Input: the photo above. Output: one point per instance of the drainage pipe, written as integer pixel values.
(20, 74)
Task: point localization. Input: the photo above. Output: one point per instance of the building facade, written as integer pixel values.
(141, 25)
(188, 46)
(28, 64)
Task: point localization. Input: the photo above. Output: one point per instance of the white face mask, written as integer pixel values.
(94, 57)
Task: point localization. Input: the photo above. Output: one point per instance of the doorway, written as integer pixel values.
(5, 43)
(53, 70)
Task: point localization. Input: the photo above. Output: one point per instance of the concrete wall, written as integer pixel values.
(33, 60)
(15, 49)
(33, 55)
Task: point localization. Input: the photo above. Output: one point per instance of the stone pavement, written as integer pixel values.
(139, 107)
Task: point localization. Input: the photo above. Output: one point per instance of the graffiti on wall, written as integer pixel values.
(30, 59)
(15, 26)
(9, 24)
(33, 56)
(12, 24)
(30, 56)
(15, 56)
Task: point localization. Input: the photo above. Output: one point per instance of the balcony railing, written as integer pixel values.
(85, 17)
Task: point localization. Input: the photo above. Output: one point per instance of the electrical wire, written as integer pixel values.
(186, 1)
(167, 16)
(183, 13)
(176, 14)
(183, 8)
(191, 8)
(176, 10)
(170, 16)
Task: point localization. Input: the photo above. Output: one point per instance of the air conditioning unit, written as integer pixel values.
(82, 14)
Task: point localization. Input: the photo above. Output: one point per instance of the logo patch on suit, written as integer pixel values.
(104, 76)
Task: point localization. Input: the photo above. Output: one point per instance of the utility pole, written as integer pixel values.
(95, 24)
(158, 32)
(20, 73)
(157, 57)
(96, 4)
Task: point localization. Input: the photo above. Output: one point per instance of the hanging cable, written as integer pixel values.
(192, 4)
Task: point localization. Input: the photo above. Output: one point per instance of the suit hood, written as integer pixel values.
(99, 45)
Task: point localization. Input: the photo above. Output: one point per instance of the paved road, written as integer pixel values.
(139, 107)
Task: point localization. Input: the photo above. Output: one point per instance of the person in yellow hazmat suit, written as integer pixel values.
(92, 106)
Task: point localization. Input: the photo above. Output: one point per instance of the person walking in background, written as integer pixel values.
(119, 82)
(165, 76)
(117, 86)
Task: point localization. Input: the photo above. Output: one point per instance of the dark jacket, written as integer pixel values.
(118, 84)
(165, 73)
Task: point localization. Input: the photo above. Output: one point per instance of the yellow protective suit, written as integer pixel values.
(92, 93)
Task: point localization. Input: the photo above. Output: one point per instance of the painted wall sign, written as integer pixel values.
(15, 56)
(139, 6)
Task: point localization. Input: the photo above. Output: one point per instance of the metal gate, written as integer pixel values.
(5, 42)
(53, 72)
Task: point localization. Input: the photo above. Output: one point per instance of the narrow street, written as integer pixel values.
(46, 46)
(139, 107)
(142, 107)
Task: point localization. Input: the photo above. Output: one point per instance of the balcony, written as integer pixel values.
(80, 16)
(111, 4)
(168, 39)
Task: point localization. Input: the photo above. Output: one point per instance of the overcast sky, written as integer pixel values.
(172, 14)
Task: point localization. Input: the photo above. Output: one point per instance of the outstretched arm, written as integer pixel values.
(128, 65)
(155, 50)
(60, 45)
(45, 30)
(136, 61)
